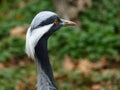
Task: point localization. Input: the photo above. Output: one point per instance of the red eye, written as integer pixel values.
(56, 21)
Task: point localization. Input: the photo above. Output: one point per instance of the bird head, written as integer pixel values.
(42, 26)
(50, 20)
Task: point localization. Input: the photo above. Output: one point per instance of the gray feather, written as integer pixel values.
(41, 17)
(44, 82)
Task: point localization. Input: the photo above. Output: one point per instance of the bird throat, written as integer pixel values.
(44, 67)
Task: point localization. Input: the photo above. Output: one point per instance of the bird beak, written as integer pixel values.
(67, 23)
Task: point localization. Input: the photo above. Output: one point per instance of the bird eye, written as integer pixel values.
(56, 21)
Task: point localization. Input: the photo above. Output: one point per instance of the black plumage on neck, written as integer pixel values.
(36, 45)
(41, 53)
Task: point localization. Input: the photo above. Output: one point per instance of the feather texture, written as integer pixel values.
(38, 51)
(32, 38)
(40, 17)
(44, 82)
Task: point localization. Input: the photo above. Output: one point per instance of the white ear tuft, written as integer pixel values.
(33, 37)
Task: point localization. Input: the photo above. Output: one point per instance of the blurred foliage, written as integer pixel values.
(12, 76)
(104, 79)
(12, 47)
(99, 35)
(19, 13)
(13, 14)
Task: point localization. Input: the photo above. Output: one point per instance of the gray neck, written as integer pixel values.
(45, 74)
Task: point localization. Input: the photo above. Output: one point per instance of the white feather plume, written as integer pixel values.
(33, 37)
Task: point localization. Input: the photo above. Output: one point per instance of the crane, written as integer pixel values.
(43, 25)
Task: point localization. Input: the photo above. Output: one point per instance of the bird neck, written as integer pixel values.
(43, 63)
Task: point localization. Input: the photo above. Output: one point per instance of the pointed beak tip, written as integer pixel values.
(70, 23)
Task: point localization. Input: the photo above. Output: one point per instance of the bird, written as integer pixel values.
(43, 25)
